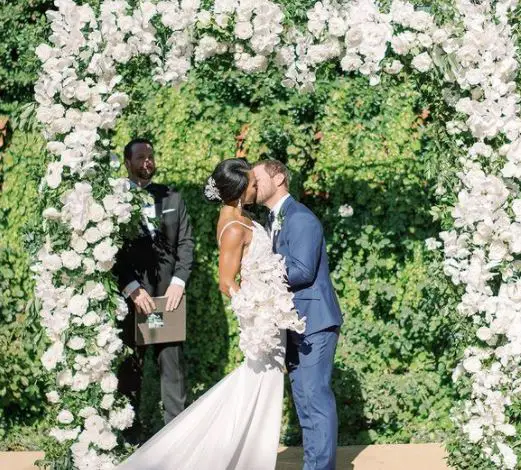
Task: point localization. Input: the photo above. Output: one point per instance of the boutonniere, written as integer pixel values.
(277, 223)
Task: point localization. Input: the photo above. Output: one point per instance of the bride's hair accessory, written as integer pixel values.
(211, 191)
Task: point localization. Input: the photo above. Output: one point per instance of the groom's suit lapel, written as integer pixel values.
(277, 239)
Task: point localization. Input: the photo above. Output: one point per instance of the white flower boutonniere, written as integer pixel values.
(277, 223)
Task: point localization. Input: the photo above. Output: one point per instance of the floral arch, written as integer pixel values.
(85, 219)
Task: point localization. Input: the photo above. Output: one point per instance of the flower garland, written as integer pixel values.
(88, 211)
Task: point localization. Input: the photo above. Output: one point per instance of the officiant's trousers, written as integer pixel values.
(170, 360)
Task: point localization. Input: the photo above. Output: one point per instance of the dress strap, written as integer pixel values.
(230, 223)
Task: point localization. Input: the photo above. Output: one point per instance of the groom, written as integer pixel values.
(297, 235)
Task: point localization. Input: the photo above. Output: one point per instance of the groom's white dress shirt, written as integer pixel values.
(275, 211)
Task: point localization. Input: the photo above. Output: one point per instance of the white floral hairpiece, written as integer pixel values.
(211, 191)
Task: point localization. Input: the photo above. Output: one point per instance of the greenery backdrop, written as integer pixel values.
(380, 150)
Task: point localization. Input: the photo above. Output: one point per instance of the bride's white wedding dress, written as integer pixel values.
(236, 424)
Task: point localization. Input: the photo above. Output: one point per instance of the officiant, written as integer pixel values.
(156, 263)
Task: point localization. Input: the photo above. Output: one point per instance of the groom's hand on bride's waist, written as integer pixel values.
(142, 301)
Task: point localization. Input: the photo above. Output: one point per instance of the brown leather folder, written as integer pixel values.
(161, 326)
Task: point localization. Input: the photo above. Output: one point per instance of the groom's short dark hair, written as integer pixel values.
(274, 167)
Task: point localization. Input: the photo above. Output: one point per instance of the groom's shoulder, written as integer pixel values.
(300, 209)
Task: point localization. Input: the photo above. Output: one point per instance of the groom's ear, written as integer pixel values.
(280, 180)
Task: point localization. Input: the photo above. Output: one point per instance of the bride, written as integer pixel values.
(236, 424)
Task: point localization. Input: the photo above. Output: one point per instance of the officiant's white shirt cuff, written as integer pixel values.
(178, 281)
(129, 288)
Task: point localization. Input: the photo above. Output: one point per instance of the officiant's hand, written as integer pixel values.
(174, 294)
(142, 301)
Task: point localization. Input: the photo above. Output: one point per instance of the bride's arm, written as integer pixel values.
(230, 256)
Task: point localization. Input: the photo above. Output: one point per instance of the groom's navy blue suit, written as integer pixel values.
(310, 356)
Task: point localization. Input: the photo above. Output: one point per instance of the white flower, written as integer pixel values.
(394, 68)
(105, 251)
(64, 378)
(243, 30)
(76, 343)
(71, 259)
(87, 412)
(472, 364)
(78, 244)
(92, 235)
(65, 417)
(80, 382)
(54, 174)
(94, 290)
(422, 62)
(107, 402)
(78, 305)
(345, 211)
(53, 396)
(53, 356)
(432, 244)
(123, 418)
(109, 383)
(90, 319)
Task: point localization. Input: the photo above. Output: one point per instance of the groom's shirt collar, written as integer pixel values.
(134, 185)
(277, 207)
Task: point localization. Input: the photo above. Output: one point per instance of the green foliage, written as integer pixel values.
(348, 143)
(372, 148)
(21, 341)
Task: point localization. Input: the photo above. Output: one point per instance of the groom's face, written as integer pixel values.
(266, 186)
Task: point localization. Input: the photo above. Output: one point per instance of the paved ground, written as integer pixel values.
(375, 457)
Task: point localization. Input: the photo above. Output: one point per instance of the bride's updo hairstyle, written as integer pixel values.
(228, 181)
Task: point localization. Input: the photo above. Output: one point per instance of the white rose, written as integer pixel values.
(87, 412)
(109, 383)
(92, 235)
(105, 251)
(95, 290)
(53, 396)
(78, 244)
(394, 68)
(53, 356)
(64, 378)
(107, 402)
(122, 53)
(82, 91)
(90, 319)
(244, 30)
(122, 419)
(71, 259)
(76, 343)
(106, 228)
(96, 212)
(80, 382)
(204, 18)
(107, 440)
(472, 364)
(78, 305)
(336, 26)
(484, 333)
(90, 265)
(422, 62)
(350, 62)
(65, 417)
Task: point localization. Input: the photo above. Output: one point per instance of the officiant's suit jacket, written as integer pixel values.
(154, 257)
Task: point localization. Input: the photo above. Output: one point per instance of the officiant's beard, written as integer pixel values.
(145, 173)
